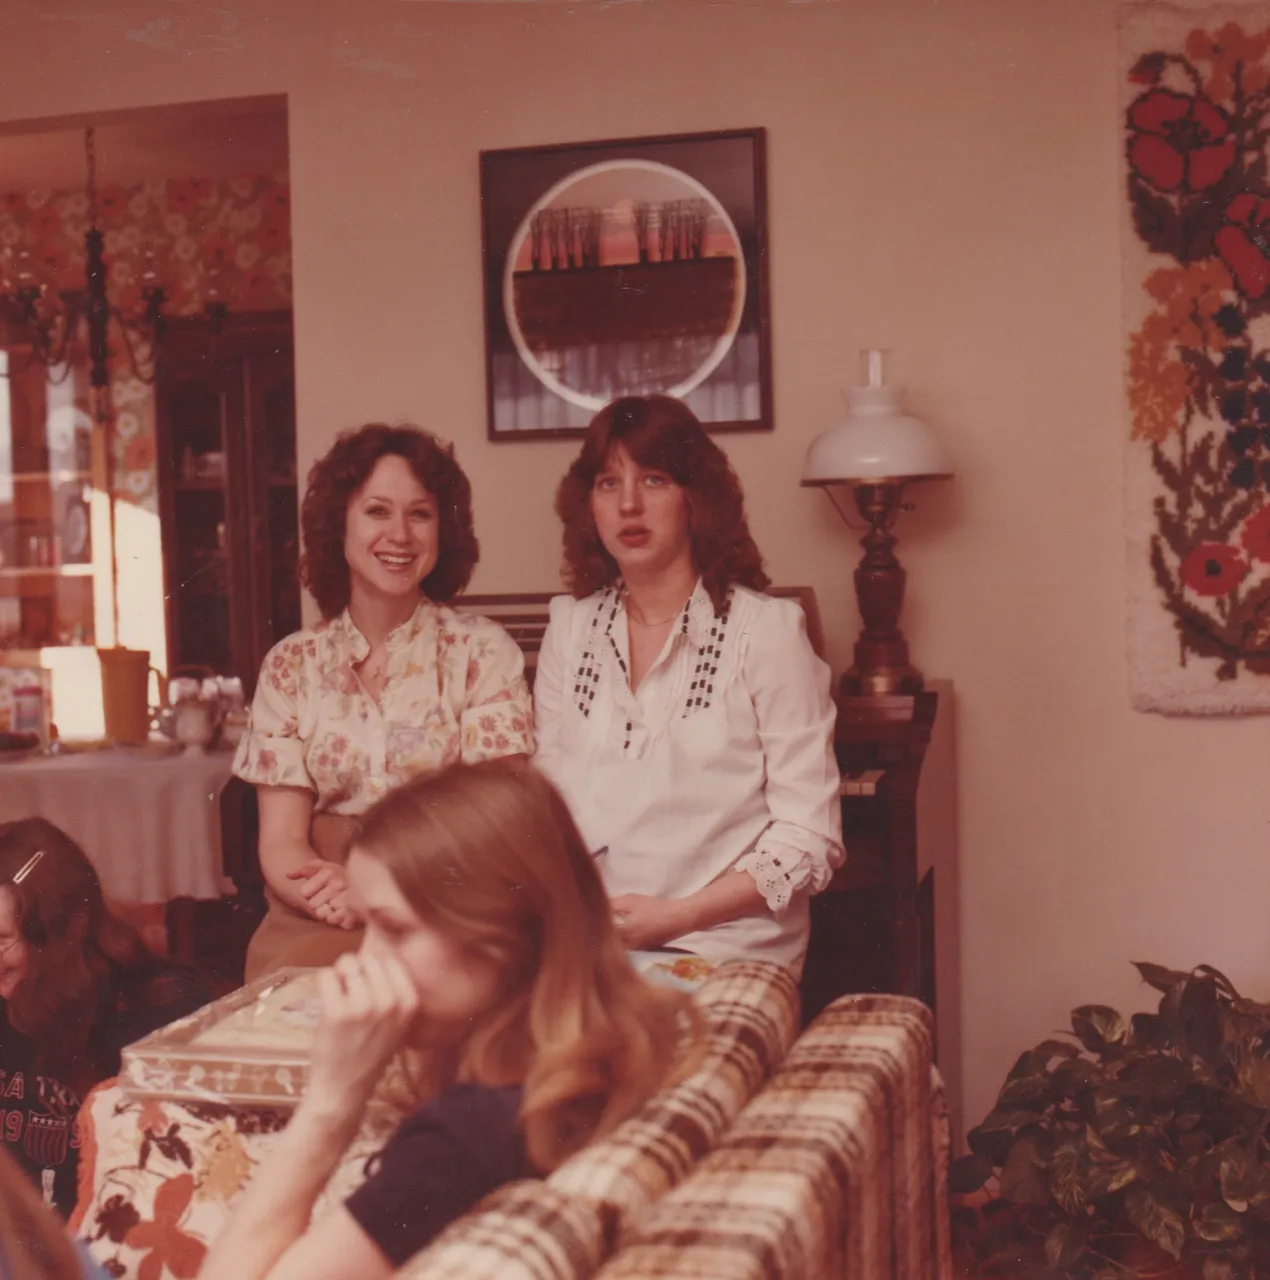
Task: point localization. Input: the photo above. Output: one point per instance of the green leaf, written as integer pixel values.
(1157, 976)
(1069, 1177)
(1105, 1180)
(1218, 1223)
(1244, 1179)
(1022, 1179)
(968, 1174)
(1254, 1079)
(1096, 1026)
(1024, 1090)
(993, 1144)
(1149, 1031)
(1075, 1074)
(1157, 1222)
(1064, 1245)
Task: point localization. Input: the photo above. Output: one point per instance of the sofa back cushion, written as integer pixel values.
(750, 1010)
(832, 1169)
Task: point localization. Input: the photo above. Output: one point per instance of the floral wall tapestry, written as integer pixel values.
(227, 240)
(1196, 256)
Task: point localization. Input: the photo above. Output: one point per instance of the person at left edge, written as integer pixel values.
(76, 986)
(391, 684)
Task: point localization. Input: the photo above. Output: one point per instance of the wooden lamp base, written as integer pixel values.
(881, 663)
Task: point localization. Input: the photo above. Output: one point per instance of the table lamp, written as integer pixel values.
(878, 449)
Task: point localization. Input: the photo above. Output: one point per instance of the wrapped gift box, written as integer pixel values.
(249, 1048)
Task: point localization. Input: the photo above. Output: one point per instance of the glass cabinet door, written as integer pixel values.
(48, 578)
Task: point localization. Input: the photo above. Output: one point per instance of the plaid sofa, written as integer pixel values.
(835, 1164)
(769, 1160)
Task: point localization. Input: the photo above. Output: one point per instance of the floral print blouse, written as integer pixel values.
(455, 690)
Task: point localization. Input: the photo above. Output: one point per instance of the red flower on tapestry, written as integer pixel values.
(1256, 535)
(168, 1245)
(1213, 569)
(1244, 241)
(1179, 141)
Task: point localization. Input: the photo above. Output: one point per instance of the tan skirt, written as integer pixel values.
(289, 937)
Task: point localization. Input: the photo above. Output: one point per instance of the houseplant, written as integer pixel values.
(1132, 1147)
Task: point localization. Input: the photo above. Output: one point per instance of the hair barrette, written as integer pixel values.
(27, 867)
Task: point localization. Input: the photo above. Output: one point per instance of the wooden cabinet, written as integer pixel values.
(883, 925)
(225, 405)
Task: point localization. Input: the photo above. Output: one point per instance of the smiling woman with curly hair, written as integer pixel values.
(681, 711)
(391, 684)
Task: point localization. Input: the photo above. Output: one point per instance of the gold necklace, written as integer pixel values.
(639, 622)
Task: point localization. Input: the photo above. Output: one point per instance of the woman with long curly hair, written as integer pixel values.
(681, 711)
(76, 986)
(391, 683)
(491, 961)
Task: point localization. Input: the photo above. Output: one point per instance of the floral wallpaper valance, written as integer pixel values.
(225, 239)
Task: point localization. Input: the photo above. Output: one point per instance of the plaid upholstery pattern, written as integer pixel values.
(524, 1231)
(833, 1169)
(563, 1227)
(751, 1014)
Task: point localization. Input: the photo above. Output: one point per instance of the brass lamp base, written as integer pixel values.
(881, 653)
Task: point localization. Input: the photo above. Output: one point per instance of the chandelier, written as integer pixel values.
(38, 315)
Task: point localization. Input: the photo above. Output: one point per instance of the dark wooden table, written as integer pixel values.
(874, 929)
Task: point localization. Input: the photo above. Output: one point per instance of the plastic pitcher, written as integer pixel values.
(125, 693)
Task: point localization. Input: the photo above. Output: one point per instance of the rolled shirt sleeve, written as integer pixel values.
(789, 685)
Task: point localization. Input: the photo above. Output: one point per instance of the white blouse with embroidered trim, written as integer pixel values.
(722, 760)
(455, 690)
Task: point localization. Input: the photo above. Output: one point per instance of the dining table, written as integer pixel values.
(148, 817)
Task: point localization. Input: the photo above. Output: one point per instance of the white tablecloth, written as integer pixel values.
(149, 824)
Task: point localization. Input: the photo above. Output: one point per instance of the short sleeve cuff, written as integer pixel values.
(497, 729)
(267, 760)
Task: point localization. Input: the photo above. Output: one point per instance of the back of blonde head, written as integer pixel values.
(490, 854)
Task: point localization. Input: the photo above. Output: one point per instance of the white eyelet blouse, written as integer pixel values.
(722, 760)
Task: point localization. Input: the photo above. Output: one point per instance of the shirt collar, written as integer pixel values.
(696, 619)
(351, 646)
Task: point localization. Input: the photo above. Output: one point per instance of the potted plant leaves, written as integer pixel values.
(1131, 1147)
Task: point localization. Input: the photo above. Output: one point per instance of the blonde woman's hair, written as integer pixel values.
(33, 1242)
(489, 854)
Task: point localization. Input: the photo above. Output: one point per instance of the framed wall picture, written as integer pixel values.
(626, 267)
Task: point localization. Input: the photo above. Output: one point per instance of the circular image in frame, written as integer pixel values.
(625, 278)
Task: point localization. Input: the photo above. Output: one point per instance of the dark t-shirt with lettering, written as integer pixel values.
(38, 1108)
(447, 1155)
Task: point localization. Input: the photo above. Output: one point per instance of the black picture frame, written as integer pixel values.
(594, 305)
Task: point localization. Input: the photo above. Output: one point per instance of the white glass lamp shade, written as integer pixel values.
(876, 441)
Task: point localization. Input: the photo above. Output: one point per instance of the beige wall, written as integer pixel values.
(943, 181)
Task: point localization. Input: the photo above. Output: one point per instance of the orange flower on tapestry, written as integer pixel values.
(1197, 360)
(1230, 53)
